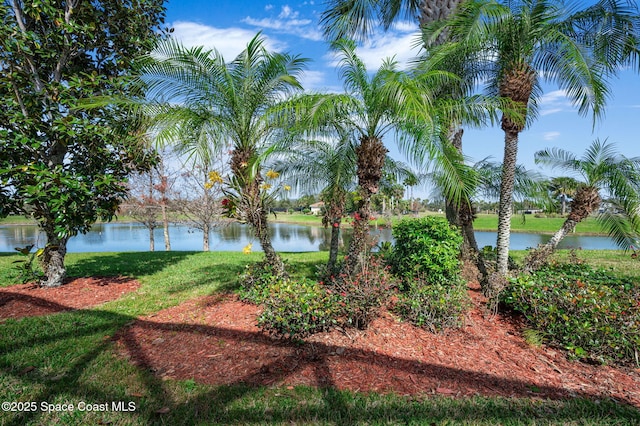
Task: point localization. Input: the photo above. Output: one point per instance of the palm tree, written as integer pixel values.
(521, 43)
(207, 105)
(328, 167)
(563, 188)
(358, 18)
(602, 169)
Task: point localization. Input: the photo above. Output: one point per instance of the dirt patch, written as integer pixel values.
(28, 300)
(215, 340)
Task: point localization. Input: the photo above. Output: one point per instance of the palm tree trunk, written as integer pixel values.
(53, 260)
(586, 201)
(334, 246)
(370, 161)
(506, 199)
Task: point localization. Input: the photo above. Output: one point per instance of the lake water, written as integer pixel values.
(113, 237)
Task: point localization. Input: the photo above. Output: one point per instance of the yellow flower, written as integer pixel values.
(272, 174)
(208, 185)
(247, 248)
(214, 177)
(287, 187)
(265, 186)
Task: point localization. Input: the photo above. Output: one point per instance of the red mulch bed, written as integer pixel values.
(215, 340)
(27, 300)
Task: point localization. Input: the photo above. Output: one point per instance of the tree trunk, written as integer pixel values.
(370, 154)
(272, 257)
(586, 201)
(506, 200)
(53, 261)
(165, 227)
(334, 247)
(152, 239)
(205, 237)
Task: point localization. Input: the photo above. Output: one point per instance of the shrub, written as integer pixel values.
(359, 297)
(255, 282)
(589, 312)
(427, 248)
(296, 309)
(434, 306)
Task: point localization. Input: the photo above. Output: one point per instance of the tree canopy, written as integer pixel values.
(60, 164)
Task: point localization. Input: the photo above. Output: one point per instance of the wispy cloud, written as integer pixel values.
(550, 136)
(228, 41)
(554, 102)
(288, 21)
(394, 44)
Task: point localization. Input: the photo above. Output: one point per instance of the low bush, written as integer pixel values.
(434, 306)
(360, 297)
(589, 312)
(428, 248)
(296, 309)
(255, 282)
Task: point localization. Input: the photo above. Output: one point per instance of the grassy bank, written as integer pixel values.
(69, 358)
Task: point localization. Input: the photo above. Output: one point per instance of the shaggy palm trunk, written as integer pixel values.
(506, 200)
(52, 261)
(586, 201)
(334, 246)
(516, 84)
(251, 206)
(435, 10)
(370, 160)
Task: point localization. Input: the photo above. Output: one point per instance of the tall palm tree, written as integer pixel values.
(518, 44)
(206, 105)
(602, 169)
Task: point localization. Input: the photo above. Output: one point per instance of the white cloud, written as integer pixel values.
(549, 136)
(288, 22)
(398, 45)
(554, 102)
(268, 7)
(228, 41)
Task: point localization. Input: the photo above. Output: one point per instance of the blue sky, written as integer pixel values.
(292, 26)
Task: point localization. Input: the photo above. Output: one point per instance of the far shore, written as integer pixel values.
(484, 222)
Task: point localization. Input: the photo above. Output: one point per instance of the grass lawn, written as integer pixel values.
(68, 358)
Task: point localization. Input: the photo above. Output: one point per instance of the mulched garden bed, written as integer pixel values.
(215, 340)
(27, 300)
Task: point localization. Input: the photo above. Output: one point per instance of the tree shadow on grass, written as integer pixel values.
(130, 263)
(69, 357)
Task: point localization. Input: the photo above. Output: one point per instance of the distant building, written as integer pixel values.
(316, 208)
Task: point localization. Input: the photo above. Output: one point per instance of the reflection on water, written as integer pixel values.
(286, 237)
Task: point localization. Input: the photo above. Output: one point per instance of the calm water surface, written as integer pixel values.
(286, 237)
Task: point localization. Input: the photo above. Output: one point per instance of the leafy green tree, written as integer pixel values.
(603, 170)
(516, 45)
(207, 105)
(62, 165)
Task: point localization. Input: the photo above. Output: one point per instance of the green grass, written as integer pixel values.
(69, 358)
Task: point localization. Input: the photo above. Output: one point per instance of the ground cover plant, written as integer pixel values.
(585, 310)
(74, 356)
